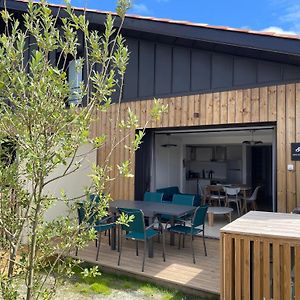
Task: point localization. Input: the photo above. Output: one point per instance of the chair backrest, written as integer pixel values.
(94, 198)
(254, 194)
(182, 199)
(232, 191)
(199, 216)
(168, 192)
(82, 215)
(138, 222)
(153, 197)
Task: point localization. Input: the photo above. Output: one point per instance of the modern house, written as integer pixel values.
(233, 99)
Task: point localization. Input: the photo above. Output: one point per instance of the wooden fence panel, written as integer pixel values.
(262, 268)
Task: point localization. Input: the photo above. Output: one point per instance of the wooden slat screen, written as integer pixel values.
(263, 268)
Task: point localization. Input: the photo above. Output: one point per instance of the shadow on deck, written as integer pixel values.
(178, 271)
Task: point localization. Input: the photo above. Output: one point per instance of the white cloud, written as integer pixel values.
(292, 17)
(288, 14)
(140, 9)
(277, 29)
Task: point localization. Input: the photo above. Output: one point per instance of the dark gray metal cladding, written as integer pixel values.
(171, 59)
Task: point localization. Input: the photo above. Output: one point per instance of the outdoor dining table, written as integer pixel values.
(151, 210)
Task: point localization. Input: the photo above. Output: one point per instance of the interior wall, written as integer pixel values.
(167, 162)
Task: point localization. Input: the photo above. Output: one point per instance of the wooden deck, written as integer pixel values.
(202, 278)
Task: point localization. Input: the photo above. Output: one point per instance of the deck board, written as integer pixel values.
(178, 269)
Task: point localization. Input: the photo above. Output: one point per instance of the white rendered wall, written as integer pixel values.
(73, 184)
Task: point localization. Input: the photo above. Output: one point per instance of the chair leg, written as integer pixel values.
(179, 240)
(194, 260)
(109, 236)
(76, 251)
(205, 252)
(98, 247)
(119, 236)
(137, 248)
(238, 208)
(254, 205)
(164, 246)
(120, 249)
(145, 250)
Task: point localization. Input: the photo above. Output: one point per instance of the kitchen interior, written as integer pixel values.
(212, 164)
(193, 160)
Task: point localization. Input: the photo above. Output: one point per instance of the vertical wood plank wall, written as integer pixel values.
(280, 104)
(258, 267)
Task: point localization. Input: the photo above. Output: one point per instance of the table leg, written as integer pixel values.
(210, 219)
(150, 248)
(113, 238)
(172, 234)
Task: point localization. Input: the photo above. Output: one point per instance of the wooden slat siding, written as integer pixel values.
(283, 106)
(290, 138)
(216, 108)
(121, 190)
(263, 104)
(297, 140)
(171, 112)
(185, 101)
(197, 107)
(238, 268)
(203, 109)
(276, 271)
(272, 101)
(190, 110)
(256, 288)
(246, 269)
(165, 117)
(281, 150)
(286, 271)
(247, 106)
(297, 272)
(231, 106)
(266, 270)
(255, 105)
(224, 108)
(143, 113)
(239, 107)
(228, 270)
(209, 109)
(178, 109)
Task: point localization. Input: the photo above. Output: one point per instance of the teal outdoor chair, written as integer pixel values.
(153, 197)
(136, 230)
(180, 199)
(89, 219)
(183, 199)
(198, 220)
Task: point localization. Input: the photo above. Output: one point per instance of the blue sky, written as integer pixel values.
(274, 15)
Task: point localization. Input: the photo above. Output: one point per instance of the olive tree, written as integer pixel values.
(40, 132)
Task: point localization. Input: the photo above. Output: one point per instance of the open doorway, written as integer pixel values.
(193, 158)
